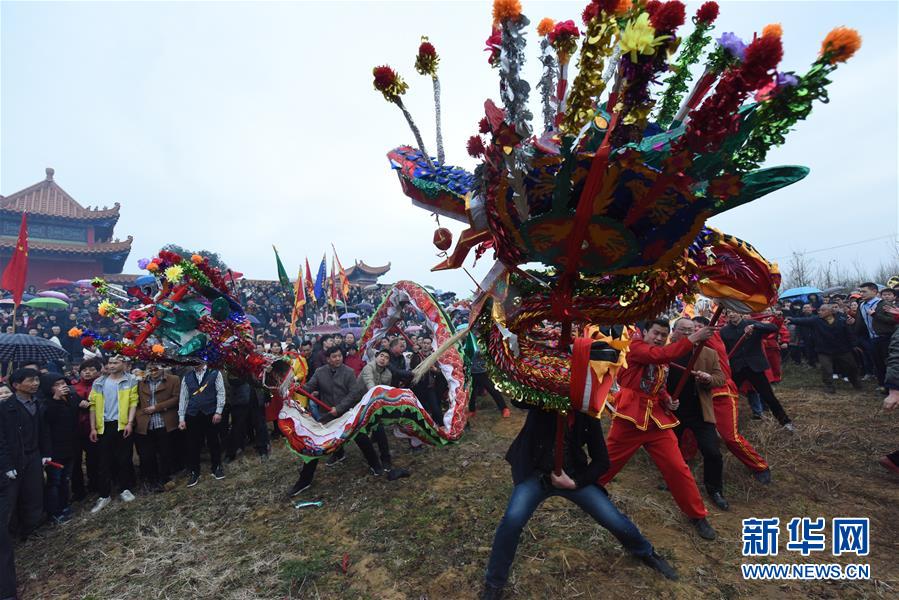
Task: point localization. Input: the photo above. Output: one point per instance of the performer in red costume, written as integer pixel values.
(642, 418)
(724, 400)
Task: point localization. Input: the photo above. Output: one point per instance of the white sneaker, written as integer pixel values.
(100, 505)
(126, 496)
(846, 379)
(835, 376)
(789, 427)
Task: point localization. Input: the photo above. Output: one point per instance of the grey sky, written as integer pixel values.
(233, 126)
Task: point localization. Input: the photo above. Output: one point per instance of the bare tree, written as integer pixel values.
(800, 271)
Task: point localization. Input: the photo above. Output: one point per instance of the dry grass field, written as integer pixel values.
(429, 536)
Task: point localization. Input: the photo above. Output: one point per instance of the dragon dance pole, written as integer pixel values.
(297, 388)
(696, 351)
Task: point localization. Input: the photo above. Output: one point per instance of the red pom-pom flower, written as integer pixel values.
(483, 125)
(669, 16)
(762, 56)
(109, 345)
(494, 43)
(87, 341)
(475, 146)
(591, 12)
(707, 13)
(652, 6)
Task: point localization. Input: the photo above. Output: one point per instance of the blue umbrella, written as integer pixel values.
(145, 280)
(799, 291)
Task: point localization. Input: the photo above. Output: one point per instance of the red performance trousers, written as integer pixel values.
(624, 439)
(726, 412)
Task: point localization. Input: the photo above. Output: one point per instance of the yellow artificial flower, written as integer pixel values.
(107, 309)
(639, 37)
(174, 273)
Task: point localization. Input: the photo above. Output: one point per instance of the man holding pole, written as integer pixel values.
(743, 339)
(532, 458)
(643, 417)
(334, 384)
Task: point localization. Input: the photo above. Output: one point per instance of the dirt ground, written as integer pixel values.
(429, 536)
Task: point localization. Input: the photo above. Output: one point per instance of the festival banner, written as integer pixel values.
(344, 281)
(299, 302)
(282, 276)
(319, 289)
(310, 283)
(332, 285)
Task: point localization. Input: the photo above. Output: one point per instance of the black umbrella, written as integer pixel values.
(22, 348)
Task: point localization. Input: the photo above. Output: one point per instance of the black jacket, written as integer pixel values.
(881, 321)
(834, 338)
(401, 375)
(750, 353)
(61, 418)
(534, 448)
(12, 449)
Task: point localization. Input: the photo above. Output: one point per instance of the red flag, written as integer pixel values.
(17, 269)
(310, 283)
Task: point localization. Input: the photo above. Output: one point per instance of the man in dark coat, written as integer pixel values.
(334, 385)
(743, 339)
(24, 448)
(531, 457)
(834, 340)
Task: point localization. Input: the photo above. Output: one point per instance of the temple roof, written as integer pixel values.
(364, 268)
(47, 198)
(63, 248)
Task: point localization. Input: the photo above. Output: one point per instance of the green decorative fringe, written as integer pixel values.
(776, 116)
(677, 83)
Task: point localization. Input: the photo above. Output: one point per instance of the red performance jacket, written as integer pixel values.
(729, 388)
(642, 384)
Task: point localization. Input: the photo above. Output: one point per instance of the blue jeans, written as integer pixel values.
(56, 490)
(755, 402)
(527, 496)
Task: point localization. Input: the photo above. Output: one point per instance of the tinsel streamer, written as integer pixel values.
(440, 154)
(775, 117)
(719, 60)
(514, 93)
(589, 83)
(612, 67)
(547, 84)
(416, 133)
(513, 89)
(678, 82)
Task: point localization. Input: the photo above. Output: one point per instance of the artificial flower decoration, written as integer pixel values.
(773, 29)
(87, 342)
(733, 44)
(590, 12)
(639, 37)
(483, 125)
(505, 9)
(153, 267)
(494, 46)
(108, 345)
(196, 259)
(669, 16)
(564, 37)
(475, 146)
(174, 273)
(707, 13)
(107, 309)
(840, 44)
(142, 263)
(129, 351)
(545, 26)
(157, 349)
(427, 59)
(75, 332)
(389, 83)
